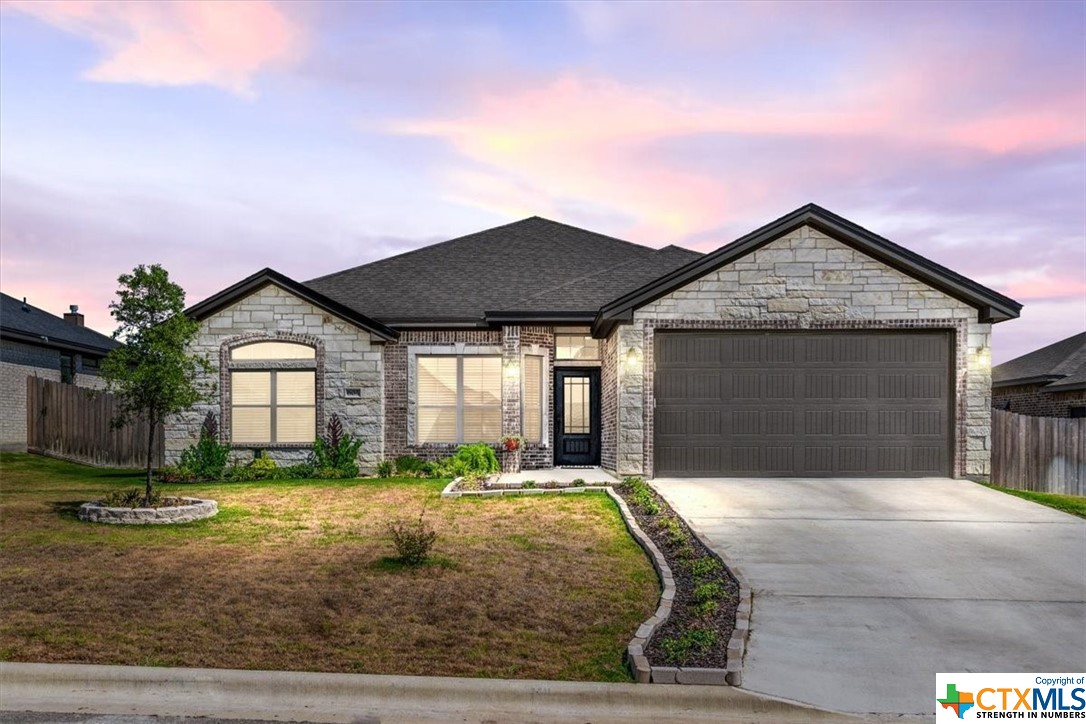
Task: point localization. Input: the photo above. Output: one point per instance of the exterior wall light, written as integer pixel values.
(983, 358)
(633, 359)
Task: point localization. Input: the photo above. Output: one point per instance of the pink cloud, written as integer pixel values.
(587, 137)
(177, 42)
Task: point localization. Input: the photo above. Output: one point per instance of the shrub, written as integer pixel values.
(410, 466)
(471, 481)
(412, 539)
(478, 458)
(673, 530)
(578, 481)
(706, 608)
(678, 649)
(384, 469)
(261, 468)
(136, 498)
(206, 460)
(174, 474)
(709, 592)
(704, 568)
(336, 449)
(528, 484)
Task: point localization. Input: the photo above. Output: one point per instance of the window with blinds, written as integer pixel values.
(273, 406)
(532, 399)
(459, 399)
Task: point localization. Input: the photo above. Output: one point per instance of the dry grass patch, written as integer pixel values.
(297, 575)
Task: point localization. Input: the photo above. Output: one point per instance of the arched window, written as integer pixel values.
(273, 393)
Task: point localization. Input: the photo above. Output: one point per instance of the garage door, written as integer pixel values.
(813, 404)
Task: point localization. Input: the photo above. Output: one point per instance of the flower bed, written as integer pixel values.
(694, 643)
(172, 511)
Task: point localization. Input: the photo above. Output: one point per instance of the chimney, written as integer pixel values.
(74, 317)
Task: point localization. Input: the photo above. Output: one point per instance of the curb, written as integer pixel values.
(316, 697)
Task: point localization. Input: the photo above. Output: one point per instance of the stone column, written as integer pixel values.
(631, 401)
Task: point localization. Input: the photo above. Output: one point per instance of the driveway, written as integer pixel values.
(864, 589)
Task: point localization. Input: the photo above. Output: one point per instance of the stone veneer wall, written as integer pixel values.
(511, 342)
(1035, 400)
(346, 358)
(807, 280)
(17, 362)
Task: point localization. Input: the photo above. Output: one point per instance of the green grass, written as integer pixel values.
(1073, 504)
(298, 575)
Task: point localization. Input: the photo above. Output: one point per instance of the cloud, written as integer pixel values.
(176, 42)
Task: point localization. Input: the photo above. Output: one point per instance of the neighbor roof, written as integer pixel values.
(1060, 366)
(534, 265)
(992, 306)
(27, 323)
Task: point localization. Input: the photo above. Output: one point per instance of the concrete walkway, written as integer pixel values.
(865, 589)
(130, 692)
(558, 475)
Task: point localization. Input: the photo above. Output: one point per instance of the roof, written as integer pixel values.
(29, 324)
(534, 265)
(265, 277)
(1060, 366)
(992, 306)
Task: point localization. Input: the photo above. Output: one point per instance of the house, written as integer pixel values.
(1048, 382)
(808, 347)
(35, 343)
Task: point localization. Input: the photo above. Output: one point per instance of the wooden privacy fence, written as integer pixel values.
(1046, 454)
(73, 423)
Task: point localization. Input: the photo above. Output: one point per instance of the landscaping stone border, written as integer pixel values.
(196, 509)
(643, 671)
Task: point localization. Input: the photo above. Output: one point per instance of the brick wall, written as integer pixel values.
(347, 358)
(609, 403)
(511, 342)
(806, 280)
(17, 362)
(1035, 400)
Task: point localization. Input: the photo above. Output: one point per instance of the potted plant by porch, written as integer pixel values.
(511, 446)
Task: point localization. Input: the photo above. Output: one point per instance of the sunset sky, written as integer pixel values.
(217, 138)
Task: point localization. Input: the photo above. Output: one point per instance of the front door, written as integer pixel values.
(577, 416)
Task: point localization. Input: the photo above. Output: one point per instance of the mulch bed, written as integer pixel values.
(682, 555)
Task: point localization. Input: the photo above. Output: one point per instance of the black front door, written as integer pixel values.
(577, 416)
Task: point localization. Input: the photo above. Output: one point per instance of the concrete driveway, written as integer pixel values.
(864, 589)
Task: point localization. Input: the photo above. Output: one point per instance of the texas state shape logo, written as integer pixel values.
(957, 701)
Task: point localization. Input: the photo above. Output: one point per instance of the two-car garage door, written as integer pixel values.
(803, 404)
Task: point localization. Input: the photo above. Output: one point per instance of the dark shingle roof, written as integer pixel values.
(598, 287)
(31, 324)
(493, 271)
(1061, 365)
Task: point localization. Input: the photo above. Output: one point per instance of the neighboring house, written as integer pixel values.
(1048, 382)
(809, 347)
(35, 343)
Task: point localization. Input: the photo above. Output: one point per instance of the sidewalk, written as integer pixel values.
(357, 698)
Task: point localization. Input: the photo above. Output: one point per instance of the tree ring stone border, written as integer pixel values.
(194, 509)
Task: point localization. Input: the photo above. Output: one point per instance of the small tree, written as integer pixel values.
(153, 373)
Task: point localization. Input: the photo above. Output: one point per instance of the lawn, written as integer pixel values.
(297, 575)
(1073, 504)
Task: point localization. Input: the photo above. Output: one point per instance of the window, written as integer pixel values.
(1079, 411)
(532, 399)
(278, 405)
(459, 399)
(576, 346)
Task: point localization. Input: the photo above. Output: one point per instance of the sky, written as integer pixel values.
(220, 138)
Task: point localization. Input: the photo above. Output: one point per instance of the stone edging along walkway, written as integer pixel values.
(196, 509)
(643, 671)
